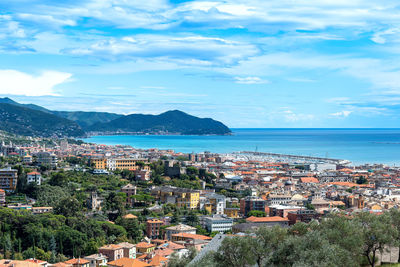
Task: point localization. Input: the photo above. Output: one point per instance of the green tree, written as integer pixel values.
(256, 213)
(235, 252)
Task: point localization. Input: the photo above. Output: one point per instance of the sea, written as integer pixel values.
(359, 146)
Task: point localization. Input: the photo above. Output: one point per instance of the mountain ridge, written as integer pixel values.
(83, 122)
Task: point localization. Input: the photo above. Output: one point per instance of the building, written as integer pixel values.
(232, 212)
(218, 223)
(94, 202)
(34, 177)
(129, 190)
(153, 228)
(142, 174)
(282, 210)
(215, 203)
(250, 203)
(96, 260)
(129, 250)
(2, 197)
(112, 252)
(18, 263)
(182, 197)
(40, 262)
(78, 262)
(99, 163)
(269, 221)
(305, 216)
(173, 169)
(144, 248)
(278, 199)
(46, 159)
(41, 210)
(127, 262)
(177, 229)
(8, 179)
(27, 159)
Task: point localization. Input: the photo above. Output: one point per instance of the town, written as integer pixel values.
(70, 203)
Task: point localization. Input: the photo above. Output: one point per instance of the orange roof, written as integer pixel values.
(33, 173)
(130, 216)
(76, 261)
(144, 245)
(158, 260)
(175, 246)
(349, 184)
(266, 219)
(2, 191)
(35, 261)
(154, 221)
(163, 251)
(111, 247)
(193, 236)
(309, 180)
(127, 262)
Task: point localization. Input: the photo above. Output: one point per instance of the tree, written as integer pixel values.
(362, 180)
(256, 213)
(69, 207)
(266, 243)
(177, 261)
(377, 233)
(235, 252)
(176, 218)
(192, 219)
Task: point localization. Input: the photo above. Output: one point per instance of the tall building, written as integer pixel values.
(129, 190)
(153, 228)
(46, 158)
(250, 203)
(8, 179)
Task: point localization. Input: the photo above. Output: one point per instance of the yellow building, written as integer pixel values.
(182, 197)
(144, 248)
(99, 163)
(232, 212)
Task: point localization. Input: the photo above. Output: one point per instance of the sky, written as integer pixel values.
(247, 63)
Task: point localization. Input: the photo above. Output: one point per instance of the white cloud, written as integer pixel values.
(291, 116)
(249, 80)
(188, 50)
(48, 20)
(14, 82)
(344, 113)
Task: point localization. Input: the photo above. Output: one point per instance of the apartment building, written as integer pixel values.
(153, 228)
(8, 179)
(182, 197)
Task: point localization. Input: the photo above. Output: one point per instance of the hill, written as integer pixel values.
(30, 119)
(22, 120)
(174, 121)
(85, 118)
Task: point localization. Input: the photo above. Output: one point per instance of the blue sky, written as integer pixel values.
(247, 63)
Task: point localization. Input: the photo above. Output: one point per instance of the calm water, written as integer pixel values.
(356, 145)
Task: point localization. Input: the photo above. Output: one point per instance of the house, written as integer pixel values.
(127, 262)
(34, 177)
(27, 159)
(302, 215)
(142, 174)
(40, 262)
(282, 210)
(8, 179)
(96, 260)
(78, 262)
(182, 197)
(214, 203)
(232, 212)
(180, 228)
(112, 252)
(130, 190)
(2, 197)
(129, 250)
(144, 248)
(153, 228)
(158, 261)
(188, 237)
(278, 199)
(18, 263)
(218, 223)
(40, 210)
